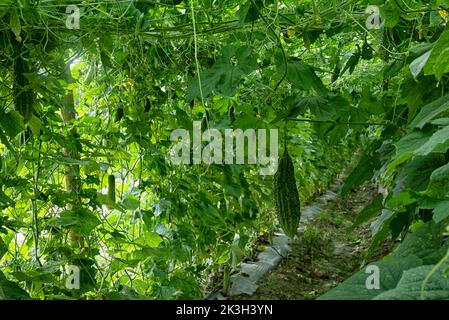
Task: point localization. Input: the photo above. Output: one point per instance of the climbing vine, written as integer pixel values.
(92, 91)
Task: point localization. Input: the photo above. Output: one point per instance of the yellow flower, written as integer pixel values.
(443, 14)
(290, 31)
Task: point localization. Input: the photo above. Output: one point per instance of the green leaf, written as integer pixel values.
(418, 64)
(248, 121)
(209, 81)
(400, 200)
(423, 246)
(12, 123)
(439, 183)
(369, 101)
(322, 107)
(439, 142)
(411, 142)
(440, 122)
(225, 75)
(415, 174)
(435, 19)
(14, 22)
(131, 203)
(5, 201)
(406, 147)
(247, 13)
(303, 76)
(363, 171)
(3, 248)
(440, 208)
(351, 63)
(34, 276)
(103, 199)
(438, 62)
(11, 291)
(35, 125)
(370, 211)
(425, 243)
(390, 15)
(151, 239)
(430, 111)
(410, 285)
(354, 288)
(84, 220)
(381, 230)
(398, 160)
(441, 211)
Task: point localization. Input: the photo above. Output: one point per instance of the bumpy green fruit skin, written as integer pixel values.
(286, 196)
(23, 94)
(111, 187)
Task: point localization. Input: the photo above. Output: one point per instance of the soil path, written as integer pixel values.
(325, 253)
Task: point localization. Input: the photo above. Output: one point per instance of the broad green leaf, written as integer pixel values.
(411, 142)
(439, 183)
(381, 229)
(363, 171)
(131, 203)
(12, 123)
(440, 208)
(398, 160)
(151, 239)
(438, 62)
(439, 140)
(247, 13)
(410, 285)
(303, 77)
(440, 122)
(225, 75)
(34, 276)
(369, 102)
(415, 174)
(35, 125)
(10, 290)
(248, 121)
(430, 111)
(424, 243)
(435, 19)
(354, 288)
(400, 200)
(390, 15)
(5, 201)
(423, 246)
(84, 220)
(441, 212)
(418, 64)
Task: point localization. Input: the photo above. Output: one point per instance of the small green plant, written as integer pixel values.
(315, 241)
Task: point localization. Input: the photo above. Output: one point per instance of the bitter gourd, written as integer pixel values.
(286, 195)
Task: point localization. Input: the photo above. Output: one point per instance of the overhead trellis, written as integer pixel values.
(163, 21)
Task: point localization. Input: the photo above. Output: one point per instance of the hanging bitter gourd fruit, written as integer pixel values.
(22, 92)
(286, 196)
(111, 187)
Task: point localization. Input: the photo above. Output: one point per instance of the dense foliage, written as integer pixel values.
(86, 116)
